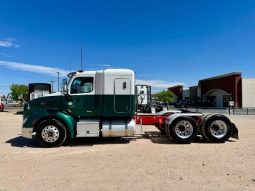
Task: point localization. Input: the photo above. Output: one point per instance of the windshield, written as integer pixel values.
(68, 80)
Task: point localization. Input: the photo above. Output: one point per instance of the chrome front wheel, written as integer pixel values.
(51, 133)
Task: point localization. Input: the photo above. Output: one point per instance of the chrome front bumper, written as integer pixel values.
(27, 132)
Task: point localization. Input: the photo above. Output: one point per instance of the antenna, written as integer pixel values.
(81, 57)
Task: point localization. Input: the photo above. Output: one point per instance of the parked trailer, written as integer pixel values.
(102, 104)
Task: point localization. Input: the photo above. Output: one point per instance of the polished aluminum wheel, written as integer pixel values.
(183, 129)
(50, 134)
(218, 129)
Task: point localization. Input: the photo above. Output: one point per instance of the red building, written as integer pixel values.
(219, 90)
(177, 90)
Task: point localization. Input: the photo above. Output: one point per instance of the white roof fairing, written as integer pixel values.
(119, 72)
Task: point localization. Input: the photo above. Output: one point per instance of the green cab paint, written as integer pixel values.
(48, 107)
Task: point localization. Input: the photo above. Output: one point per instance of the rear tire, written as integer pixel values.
(141, 109)
(217, 129)
(162, 131)
(183, 130)
(148, 109)
(51, 133)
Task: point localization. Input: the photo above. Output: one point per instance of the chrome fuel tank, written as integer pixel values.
(118, 128)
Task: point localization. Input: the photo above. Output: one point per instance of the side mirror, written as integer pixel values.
(64, 85)
(20, 97)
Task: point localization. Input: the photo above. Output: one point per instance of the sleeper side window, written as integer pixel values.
(82, 85)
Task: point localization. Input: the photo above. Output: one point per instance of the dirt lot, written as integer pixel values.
(149, 162)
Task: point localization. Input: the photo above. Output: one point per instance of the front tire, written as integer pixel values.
(51, 133)
(183, 130)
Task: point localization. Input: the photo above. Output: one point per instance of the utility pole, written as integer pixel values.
(58, 80)
(52, 81)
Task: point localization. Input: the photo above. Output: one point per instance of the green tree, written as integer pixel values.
(17, 90)
(166, 96)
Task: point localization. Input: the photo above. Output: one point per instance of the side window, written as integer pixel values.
(82, 85)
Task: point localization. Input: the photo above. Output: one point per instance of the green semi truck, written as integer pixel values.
(102, 104)
(92, 104)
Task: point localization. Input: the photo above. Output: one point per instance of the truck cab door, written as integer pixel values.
(122, 95)
(82, 92)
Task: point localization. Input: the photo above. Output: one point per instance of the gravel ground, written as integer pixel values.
(147, 162)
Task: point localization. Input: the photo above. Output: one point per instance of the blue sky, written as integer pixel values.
(165, 42)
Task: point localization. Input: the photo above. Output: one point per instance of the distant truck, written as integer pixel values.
(143, 98)
(102, 104)
(37, 90)
(9, 102)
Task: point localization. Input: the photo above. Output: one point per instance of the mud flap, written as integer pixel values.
(235, 132)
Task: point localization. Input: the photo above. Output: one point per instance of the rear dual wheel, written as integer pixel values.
(183, 130)
(217, 129)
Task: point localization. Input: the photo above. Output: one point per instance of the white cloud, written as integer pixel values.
(158, 84)
(9, 43)
(34, 68)
(104, 65)
(6, 55)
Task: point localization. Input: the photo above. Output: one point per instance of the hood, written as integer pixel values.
(52, 102)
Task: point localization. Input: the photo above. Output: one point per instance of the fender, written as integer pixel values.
(34, 118)
(235, 131)
(170, 119)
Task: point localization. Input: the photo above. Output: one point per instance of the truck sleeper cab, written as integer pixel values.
(93, 104)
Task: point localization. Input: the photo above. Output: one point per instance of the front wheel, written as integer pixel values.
(51, 133)
(183, 129)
